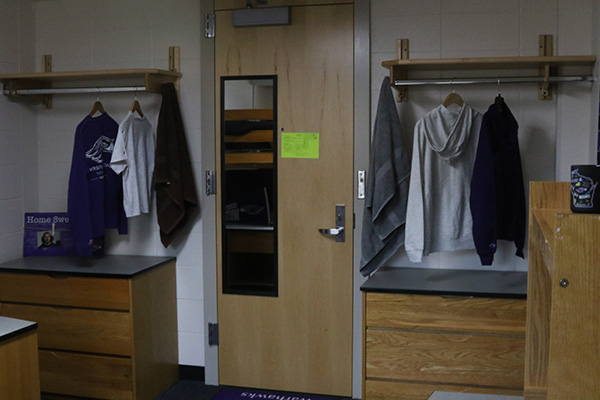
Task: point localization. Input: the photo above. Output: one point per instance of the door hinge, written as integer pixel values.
(213, 334)
(209, 26)
(211, 182)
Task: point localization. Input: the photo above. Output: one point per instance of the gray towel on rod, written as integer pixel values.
(387, 187)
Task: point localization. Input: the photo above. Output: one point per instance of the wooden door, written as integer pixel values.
(300, 340)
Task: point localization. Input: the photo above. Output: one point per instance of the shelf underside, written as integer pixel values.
(490, 62)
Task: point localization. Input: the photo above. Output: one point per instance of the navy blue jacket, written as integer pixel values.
(497, 192)
(95, 199)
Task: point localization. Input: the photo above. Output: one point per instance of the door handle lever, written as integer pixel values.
(331, 231)
(340, 221)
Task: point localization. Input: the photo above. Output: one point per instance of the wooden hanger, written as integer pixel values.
(97, 107)
(135, 107)
(453, 98)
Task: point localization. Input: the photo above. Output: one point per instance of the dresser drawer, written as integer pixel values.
(453, 313)
(105, 293)
(391, 390)
(445, 357)
(84, 375)
(85, 330)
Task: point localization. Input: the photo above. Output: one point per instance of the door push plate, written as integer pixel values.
(340, 222)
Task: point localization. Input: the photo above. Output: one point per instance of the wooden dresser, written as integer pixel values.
(19, 368)
(107, 326)
(563, 317)
(428, 330)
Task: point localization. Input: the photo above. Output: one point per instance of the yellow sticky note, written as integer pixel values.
(299, 145)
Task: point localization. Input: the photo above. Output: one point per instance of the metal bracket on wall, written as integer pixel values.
(213, 334)
(209, 26)
(546, 48)
(210, 182)
(47, 67)
(402, 54)
(361, 185)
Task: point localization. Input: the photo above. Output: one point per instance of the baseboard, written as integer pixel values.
(191, 372)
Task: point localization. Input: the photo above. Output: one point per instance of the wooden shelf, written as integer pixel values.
(489, 63)
(150, 78)
(41, 85)
(251, 159)
(261, 136)
(247, 241)
(547, 69)
(249, 114)
(259, 158)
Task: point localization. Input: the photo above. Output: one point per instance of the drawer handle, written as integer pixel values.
(58, 276)
(455, 297)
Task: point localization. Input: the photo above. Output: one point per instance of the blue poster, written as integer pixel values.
(47, 234)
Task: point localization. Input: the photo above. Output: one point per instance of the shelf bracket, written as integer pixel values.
(47, 67)
(175, 62)
(402, 54)
(546, 47)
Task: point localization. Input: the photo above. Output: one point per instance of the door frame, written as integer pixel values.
(362, 118)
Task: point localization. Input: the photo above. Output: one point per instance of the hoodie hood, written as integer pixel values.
(503, 128)
(447, 131)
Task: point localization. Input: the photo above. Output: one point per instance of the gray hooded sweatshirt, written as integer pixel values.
(438, 214)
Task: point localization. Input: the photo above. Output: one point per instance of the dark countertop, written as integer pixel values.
(10, 327)
(108, 266)
(463, 282)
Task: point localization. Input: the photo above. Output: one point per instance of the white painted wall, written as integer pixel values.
(95, 34)
(18, 150)
(553, 134)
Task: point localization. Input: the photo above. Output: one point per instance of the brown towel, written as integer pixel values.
(173, 178)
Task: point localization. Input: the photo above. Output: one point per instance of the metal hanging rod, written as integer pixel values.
(473, 81)
(24, 92)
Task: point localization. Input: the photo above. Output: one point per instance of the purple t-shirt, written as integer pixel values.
(95, 200)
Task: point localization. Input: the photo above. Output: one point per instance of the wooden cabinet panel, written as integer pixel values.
(385, 390)
(86, 375)
(19, 368)
(448, 313)
(102, 338)
(562, 332)
(86, 330)
(445, 357)
(61, 290)
(417, 344)
(154, 315)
